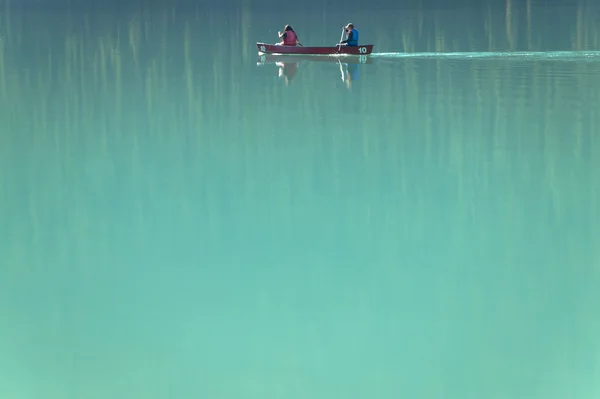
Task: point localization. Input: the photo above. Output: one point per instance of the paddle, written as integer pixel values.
(341, 37)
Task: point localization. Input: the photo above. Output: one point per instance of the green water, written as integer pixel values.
(177, 221)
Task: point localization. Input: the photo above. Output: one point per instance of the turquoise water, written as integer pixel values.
(179, 221)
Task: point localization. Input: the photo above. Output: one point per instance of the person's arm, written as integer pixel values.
(282, 35)
(348, 38)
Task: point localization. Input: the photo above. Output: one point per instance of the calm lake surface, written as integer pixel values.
(181, 219)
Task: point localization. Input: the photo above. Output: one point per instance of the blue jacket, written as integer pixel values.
(352, 38)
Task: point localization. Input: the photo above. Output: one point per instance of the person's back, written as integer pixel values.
(289, 38)
(353, 37)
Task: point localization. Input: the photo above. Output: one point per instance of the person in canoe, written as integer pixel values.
(351, 36)
(288, 37)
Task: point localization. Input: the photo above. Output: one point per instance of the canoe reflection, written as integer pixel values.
(288, 65)
(348, 59)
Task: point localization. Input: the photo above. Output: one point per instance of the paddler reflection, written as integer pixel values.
(349, 73)
(287, 71)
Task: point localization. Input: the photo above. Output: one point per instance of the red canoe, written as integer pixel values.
(334, 50)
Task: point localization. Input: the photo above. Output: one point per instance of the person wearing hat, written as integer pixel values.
(351, 36)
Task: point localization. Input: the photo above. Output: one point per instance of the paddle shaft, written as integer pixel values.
(341, 37)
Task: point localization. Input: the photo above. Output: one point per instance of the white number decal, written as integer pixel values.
(362, 50)
(263, 58)
(362, 59)
(262, 48)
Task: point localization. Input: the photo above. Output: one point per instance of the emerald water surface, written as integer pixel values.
(181, 219)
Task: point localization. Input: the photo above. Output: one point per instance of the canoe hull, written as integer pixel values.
(265, 48)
